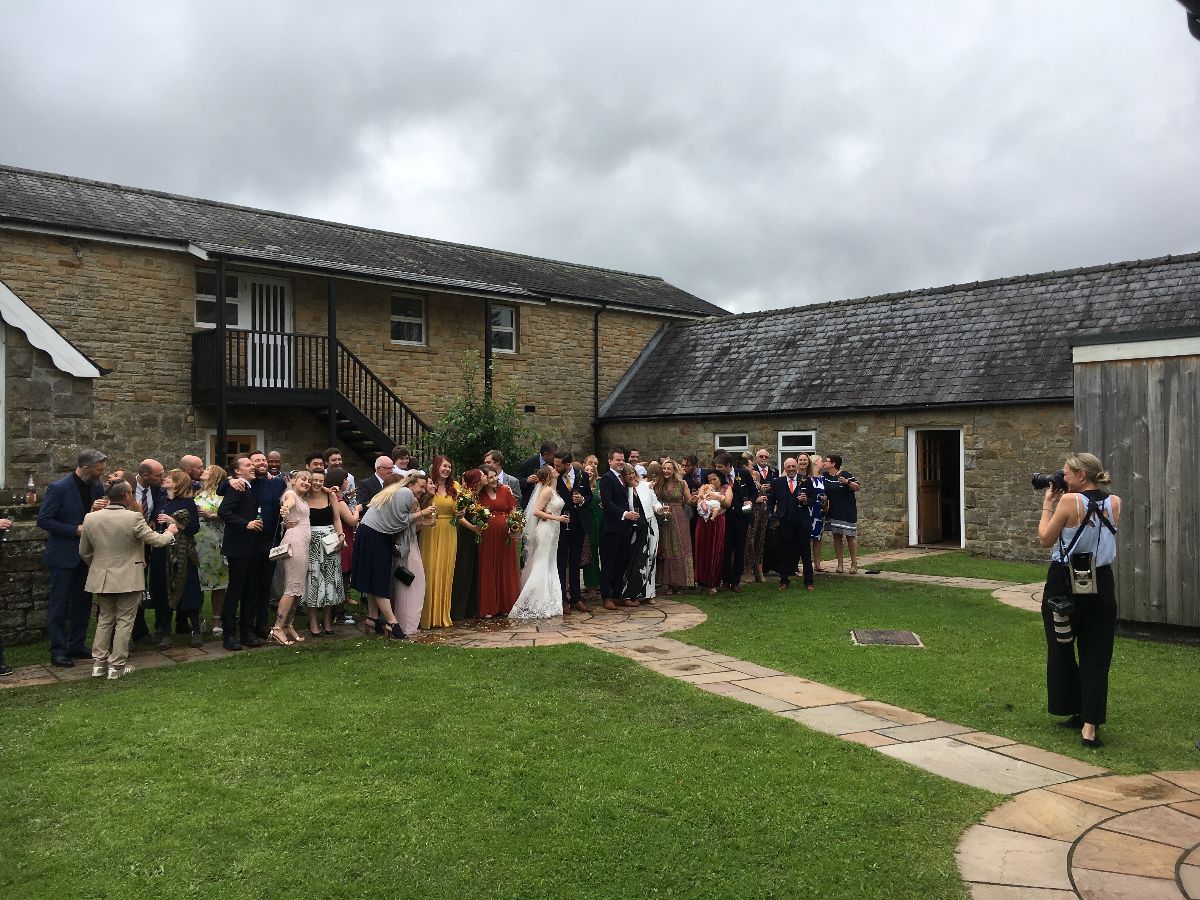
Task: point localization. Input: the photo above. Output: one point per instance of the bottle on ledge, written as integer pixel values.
(30, 491)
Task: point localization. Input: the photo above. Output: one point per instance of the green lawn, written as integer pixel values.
(983, 666)
(961, 564)
(369, 768)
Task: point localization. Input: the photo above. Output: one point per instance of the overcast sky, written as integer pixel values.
(758, 154)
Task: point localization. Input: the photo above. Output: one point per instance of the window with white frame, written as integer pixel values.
(793, 442)
(732, 443)
(206, 300)
(504, 329)
(408, 319)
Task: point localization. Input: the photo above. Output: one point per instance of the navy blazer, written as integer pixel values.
(366, 489)
(580, 518)
(268, 496)
(237, 510)
(614, 500)
(60, 516)
(791, 509)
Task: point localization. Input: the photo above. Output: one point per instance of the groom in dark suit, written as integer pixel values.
(572, 485)
(616, 527)
(788, 514)
(527, 471)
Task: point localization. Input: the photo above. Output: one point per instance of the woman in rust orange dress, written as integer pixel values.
(499, 579)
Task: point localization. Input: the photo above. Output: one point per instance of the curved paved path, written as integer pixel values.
(1072, 829)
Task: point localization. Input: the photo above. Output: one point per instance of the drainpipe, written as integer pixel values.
(487, 348)
(596, 381)
(331, 316)
(222, 363)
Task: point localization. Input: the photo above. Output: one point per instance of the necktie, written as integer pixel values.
(147, 504)
(792, 485)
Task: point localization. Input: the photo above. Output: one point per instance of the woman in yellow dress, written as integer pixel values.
(439, 546)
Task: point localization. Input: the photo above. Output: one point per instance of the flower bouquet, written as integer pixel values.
(516, 524)
(474, 512)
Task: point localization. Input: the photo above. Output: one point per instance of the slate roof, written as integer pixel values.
(1001, 341)
(42, 198)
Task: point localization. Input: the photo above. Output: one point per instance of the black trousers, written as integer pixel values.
(570, 556)
(262, 593)
(791, 547)
(614, 560)
(736, 524)
(1080, 687)
(69, 610)
(241, 602)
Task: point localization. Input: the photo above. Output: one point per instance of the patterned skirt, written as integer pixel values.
(324, 585)
(214, 574)
(756, 537)
(675, 549)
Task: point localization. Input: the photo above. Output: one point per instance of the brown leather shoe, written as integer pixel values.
(580, 606)
(783, 585)
(608, 604)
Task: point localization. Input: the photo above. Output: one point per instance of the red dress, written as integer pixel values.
(710, 551)
(499, 580)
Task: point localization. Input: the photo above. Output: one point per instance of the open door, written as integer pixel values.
(935, 479)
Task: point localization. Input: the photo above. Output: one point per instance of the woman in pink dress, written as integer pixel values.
(294, 515)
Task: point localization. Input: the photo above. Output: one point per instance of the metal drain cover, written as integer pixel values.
(886, 637)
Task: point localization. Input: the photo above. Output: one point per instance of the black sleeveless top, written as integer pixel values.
(321, 516)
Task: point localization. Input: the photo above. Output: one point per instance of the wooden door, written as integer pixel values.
(269, 359)
(929, 487)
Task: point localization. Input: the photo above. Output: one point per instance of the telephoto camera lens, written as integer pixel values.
(1040, 481)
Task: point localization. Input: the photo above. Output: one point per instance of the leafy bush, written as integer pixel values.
(473, 424)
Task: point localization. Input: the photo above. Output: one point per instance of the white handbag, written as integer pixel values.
(331, 543)
(281, 552)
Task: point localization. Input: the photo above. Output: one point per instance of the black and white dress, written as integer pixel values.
(324, 584)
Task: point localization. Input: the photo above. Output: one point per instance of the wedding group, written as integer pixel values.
(426, 549)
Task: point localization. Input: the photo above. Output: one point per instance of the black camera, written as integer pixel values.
(1041, 482)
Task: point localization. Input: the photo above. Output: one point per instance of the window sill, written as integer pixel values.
(408, 348)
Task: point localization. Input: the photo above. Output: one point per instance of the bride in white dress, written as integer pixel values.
(541, 591)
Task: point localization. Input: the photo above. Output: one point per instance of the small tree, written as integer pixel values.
(473, 423)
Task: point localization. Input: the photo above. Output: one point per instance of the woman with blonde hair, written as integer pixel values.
(214, 573)
(294, 514)
(1079, 601)
(390, 523)
(675, 534)
(409, 598)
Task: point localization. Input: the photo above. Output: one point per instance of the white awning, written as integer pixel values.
(66, 357)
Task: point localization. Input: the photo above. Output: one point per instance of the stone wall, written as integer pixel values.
(1003, 445)
(24, 581)
(132, 310)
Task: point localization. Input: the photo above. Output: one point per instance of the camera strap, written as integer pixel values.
(1064, 553)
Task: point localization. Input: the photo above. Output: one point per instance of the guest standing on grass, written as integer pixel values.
(323, 589)
(296, 533)
(712, 502)
(499, 579)
(1083, 519)
(788, 504)
(675, 538)
(762, 473)
(184, 595)
(816, 471)
(464, 596)
(639, 585)
(244, 546)
(214, 573)
(336, 480)
(439, 546)
(385, 535)
(741, 505)
(61, 514)
(112, 542)
(616, 528)
(842, 518)
(408, 600)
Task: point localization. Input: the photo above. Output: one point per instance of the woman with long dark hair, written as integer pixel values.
(439, 545)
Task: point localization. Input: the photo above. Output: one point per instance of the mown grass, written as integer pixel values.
(366, 768)
(961, 564)
(983, 664)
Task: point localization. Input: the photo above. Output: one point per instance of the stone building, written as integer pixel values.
(332, 334)
(943, 401)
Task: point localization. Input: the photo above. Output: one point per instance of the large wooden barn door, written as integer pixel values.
(269, 359)
(929, 487)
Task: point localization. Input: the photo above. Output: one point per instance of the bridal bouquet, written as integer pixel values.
(516, 524)
(474, 512)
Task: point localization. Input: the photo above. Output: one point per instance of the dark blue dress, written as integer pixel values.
(193, 596)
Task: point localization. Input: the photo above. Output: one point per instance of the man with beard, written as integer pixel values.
(61, 514)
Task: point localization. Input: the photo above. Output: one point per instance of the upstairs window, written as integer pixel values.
(206, 300)
(504, 329)
(732, 443)
(408, 319)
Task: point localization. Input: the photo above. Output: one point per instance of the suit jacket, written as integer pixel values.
(367, 489)
(744, 489)
(614, 502)
(514, 485)
(60, 516)
(790, 508)
(158, 497)
(580, 517)
(237, 510)
(524, 470)
(268, 494)
(113, 544)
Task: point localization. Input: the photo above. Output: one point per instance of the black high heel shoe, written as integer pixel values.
(396, 632)
(1092, 742)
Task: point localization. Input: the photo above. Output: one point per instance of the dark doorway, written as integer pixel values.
(938, 488)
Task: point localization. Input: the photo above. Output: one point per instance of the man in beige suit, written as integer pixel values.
(111, 543)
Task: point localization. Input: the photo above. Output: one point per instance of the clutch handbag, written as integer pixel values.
(280, 552)
(331, 543)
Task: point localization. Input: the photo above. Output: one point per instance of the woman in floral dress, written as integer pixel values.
(214, 574)
(675, 535)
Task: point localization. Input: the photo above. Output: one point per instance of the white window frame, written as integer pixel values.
(744, 444)
(912, 482)
(492, 329)
(423, 321)
(242, 307)
(210, 436)
(783, 453)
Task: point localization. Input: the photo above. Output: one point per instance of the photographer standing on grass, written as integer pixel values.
(1079, 602)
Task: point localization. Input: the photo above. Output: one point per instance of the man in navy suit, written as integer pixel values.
(619, 514)
(572, 485)
(61, 514)
(268, 493)
(527, 471)
(244, 547)
(788, 506)
(737, 522)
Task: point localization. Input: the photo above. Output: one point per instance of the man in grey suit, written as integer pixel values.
(495, 459)
(112, 544)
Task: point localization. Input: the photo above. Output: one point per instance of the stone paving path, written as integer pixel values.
(1072, 830)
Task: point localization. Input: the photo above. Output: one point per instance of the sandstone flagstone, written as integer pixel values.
(1056, 761)
(712, 677)
(838, 719)
(983, 739)
(924, 731)
(1125, 793)
(996, 856)
(1159, 823)
(973, 765)
(869, 739)
(798, 691)
(734, 691)
(1008, 892)
(1047, 814)
(896, 714)
(1110, 851)
(1189, 781)
(1190, 877)
(1095, 885)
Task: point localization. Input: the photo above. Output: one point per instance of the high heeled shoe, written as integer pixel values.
(273, 637)
(395, 632)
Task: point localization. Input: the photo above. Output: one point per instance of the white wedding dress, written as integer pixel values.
(541, 591)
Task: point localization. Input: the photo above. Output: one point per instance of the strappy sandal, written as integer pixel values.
(838, 570)
(274, 638)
